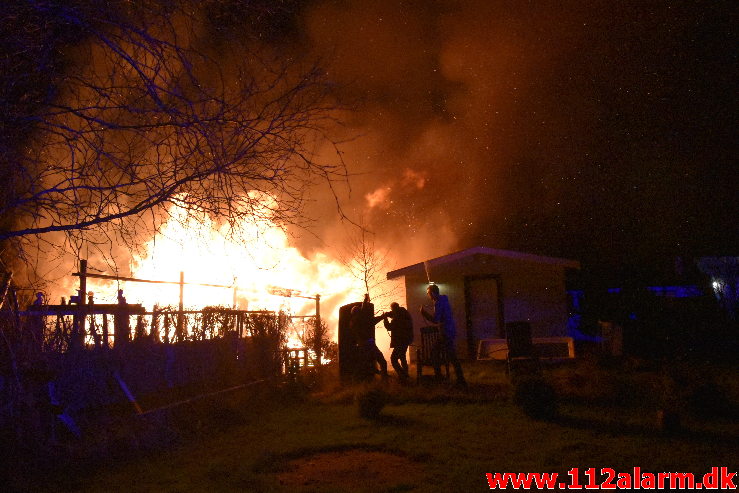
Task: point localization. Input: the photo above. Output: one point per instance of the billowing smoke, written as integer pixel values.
(561, 128)
(557, 128)
(443, 91)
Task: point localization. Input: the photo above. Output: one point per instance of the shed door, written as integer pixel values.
(483, 308)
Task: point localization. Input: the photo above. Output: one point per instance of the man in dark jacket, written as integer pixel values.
(400, 327)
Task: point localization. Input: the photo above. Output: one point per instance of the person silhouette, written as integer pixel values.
(444, 319)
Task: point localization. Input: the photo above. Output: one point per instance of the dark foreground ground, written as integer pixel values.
(310, 436)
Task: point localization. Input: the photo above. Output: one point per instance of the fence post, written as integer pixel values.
(180, 314)
(317, 342)
(77, 340)
(154, 329)
(106, 335)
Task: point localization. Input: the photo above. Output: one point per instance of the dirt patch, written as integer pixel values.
(353, 470)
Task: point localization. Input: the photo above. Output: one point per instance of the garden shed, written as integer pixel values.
(488, 288)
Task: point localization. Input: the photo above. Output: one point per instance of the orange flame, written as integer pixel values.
(252, 262)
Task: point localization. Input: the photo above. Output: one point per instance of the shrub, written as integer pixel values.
(709, 400)
(536, 398)
(370, 402)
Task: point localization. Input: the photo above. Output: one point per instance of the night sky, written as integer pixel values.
(600, 131)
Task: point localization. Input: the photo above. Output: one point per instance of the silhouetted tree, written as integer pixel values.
(113, 111)
(369, 265)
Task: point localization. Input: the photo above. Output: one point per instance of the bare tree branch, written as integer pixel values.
(140, 117)
(368, 264)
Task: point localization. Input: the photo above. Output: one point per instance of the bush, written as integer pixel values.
(709, 400)
(536, 398)
(370, 402)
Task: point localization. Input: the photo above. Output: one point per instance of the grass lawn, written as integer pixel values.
(444, 439)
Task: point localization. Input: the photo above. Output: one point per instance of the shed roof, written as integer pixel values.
(493, 252)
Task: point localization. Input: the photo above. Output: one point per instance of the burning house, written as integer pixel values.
(488, 288)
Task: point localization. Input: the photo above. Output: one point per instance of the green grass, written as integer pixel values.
(456, 437)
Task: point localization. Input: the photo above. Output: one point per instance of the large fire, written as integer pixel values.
(249, 266)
